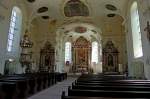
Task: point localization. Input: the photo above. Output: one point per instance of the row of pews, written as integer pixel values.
(107, 87)
(21, 86)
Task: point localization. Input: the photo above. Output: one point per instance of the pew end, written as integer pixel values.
(63, 95)
(69, 88)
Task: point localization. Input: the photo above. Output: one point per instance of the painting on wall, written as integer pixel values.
(75, 8)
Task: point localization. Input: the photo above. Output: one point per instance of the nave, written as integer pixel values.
(43, 41)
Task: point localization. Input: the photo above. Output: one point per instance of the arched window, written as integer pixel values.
(136, 31)
(14, 29)
(95, 52)
(68, 52)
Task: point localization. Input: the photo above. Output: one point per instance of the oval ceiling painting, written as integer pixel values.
(75, 8)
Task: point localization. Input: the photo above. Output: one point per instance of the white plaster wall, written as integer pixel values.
(41, 31)
(5, 10)
(142, 6)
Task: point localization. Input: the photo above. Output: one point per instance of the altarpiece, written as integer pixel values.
(110, 58)
(47, 58)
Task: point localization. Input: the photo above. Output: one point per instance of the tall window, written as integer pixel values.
(95, 52)
(136, 31)
(68, 52)
(14, 29)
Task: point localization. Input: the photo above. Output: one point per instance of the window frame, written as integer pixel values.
(136, 30)
(68, 52)
(14, 25)
(95, 52)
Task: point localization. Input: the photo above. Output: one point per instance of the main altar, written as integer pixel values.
(81, 55)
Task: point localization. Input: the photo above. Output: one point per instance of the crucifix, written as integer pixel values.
(148, 30)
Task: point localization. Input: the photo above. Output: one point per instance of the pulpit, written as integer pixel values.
(110, 58)
(47, 58)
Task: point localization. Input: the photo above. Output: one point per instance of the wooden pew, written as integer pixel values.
(8, 90)
(21, 86)
(108, 86)
(27, 84)
(63, 96)
(118, 88)
(92, 77)
(109, 93)
(1, 92)
(29, 79)
(60, 76)
(113, 84)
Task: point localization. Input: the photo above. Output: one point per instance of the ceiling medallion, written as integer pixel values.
(94, 31)
(80, 29)
(45, 17)
(42, 9)
(111, 15)
(110, 7)
(31, 1)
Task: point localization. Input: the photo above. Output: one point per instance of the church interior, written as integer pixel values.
(99, 48)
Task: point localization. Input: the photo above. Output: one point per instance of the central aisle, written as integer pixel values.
(55, 91)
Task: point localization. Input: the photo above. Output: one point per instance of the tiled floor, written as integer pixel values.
(54, 92)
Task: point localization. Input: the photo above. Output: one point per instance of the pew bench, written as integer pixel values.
(8, 90)
(112, 84)
(109, 93)
(63, 96)
(119, 88)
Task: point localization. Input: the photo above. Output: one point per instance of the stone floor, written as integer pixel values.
(55, 91)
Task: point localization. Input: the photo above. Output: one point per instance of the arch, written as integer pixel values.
(66, 33)
(136, 31)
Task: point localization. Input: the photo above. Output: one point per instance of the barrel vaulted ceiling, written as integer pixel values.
(102, 10)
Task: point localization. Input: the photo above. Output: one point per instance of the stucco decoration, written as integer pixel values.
(110, 7)
(31, 1)
(80, 29)
(75, 8)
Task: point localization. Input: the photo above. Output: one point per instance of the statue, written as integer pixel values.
(148, 30)
(110, 60)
